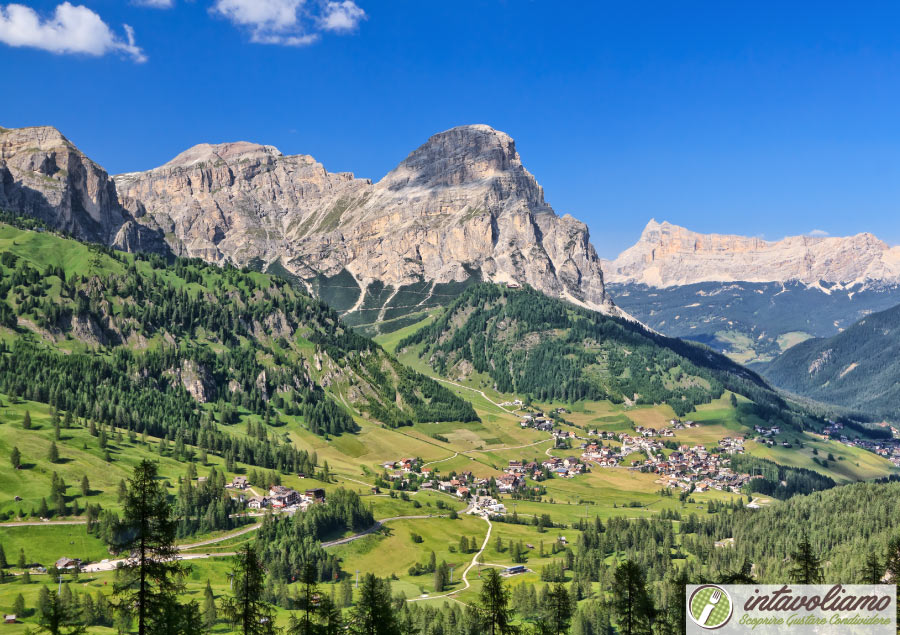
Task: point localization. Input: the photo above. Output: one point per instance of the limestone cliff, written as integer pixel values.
(667, 255)
(460, 205)
(42, 174)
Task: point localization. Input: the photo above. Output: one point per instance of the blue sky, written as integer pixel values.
(755, 118)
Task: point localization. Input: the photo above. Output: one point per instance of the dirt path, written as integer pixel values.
(465, 575)
(480, 392)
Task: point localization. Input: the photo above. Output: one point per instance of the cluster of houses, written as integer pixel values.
(888, 448)
(686, 467)
(281, 498)
(538, 421)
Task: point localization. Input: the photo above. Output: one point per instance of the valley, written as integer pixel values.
(425, 424)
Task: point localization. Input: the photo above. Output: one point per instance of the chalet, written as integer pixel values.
(258, 502)
(68, 563)
(240, 482)
(463, 492)
(316, 495)
(9, 619)
(283, 496)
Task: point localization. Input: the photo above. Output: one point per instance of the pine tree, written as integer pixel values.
(85, 486)
(150, 581)
(806, 568)
(58, 615)
(3, 563)
(246, 611)
(309, 593)
(558, 611)
(373, 614)
(19, 606)
(210, 617)
(440, 577)
(15, 457)
(496, 616)
(631, 601)
(53, 453)
(26, 421)
(873, 570)
(22, 563)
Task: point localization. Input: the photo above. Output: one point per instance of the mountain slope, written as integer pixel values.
(858, 368)
(530, 344)
(157, 341)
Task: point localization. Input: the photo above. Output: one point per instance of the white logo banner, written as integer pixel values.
(822, 609)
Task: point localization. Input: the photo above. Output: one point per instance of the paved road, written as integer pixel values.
(41, 523)
(212, 541)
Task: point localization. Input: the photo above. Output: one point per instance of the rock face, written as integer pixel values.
(667, 255)
(42, 174)
(461, 203)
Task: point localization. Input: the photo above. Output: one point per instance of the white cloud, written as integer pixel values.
(342, 16)
(155, 4)
(290, 22)
(71, 29)
(819, 233)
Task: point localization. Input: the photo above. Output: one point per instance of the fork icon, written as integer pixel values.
(713, 600)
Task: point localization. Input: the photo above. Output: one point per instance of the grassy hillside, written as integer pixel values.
(857, 368)
(156, 339)
(529, 344)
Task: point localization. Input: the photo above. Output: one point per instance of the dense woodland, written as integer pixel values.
(531, 344)
(857, 368)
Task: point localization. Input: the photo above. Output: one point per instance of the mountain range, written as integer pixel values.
(750, 298)
(462, 208)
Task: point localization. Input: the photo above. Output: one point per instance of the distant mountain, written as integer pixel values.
(859, 368)
(667, 255)
(747, 297)
(527, 343)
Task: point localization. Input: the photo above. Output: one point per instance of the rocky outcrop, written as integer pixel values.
(461, 203)
(667, 255)
(195, 378)
(42, 174)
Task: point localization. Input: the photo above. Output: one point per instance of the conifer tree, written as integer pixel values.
(210, 617)
(496, 616)
(373, 614)
(558, 612)
(26, 421)
(149, 582)
(246, 610)
(806, 568)
(631, 601)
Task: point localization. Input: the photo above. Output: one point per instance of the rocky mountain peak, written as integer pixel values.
(223, 153)
(472, 157)
(44, 175)
(460, 207)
